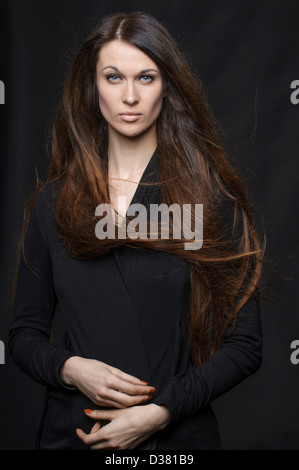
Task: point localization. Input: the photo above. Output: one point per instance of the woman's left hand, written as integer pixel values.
(128, 427)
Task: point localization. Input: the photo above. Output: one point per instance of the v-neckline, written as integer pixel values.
(147, 176)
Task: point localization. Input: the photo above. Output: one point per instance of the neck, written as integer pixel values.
(129, 156)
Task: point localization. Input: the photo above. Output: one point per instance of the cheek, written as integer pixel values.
(105, 100)
(155, 102)
(104, 104)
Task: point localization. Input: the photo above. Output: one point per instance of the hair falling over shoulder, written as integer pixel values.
(194, 169)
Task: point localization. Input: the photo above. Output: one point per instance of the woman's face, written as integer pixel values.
(130, 89)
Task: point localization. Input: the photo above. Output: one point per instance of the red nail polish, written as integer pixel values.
(153, 389)
(88, 411)
(145, 383)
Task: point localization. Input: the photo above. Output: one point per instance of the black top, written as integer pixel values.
(129, 309)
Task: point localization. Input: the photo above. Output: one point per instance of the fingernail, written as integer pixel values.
(142, 381)
(150, 397)
(153, 389)
(88, 411)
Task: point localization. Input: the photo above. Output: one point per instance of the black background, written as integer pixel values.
(246, 53)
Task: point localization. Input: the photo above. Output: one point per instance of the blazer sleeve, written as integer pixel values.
(34, 304)
(238, 357)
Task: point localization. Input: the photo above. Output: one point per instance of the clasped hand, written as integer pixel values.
(104, 385)
(127, 428)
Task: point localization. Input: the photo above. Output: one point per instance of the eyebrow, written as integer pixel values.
(141, 71)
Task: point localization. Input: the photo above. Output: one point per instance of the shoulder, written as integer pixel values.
(47, 196)
(44, 204)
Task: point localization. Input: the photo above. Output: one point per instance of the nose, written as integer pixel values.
(130, 94)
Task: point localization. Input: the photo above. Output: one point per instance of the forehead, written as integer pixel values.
(122, 54)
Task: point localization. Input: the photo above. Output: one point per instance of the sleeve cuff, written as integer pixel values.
(176, 399)
(61, 356)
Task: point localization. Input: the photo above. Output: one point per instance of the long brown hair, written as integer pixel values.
(194, 168)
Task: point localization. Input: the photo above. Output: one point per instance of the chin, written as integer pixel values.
(131, 133)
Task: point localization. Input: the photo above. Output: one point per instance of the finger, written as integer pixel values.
(81, 434)
(119, 399)
(124, 400)
(90, 439)
(119, 384)
(101, 414)
(127, 377)
(106, 415)
(95, 427)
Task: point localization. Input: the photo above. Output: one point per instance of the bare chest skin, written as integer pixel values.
(119, 187)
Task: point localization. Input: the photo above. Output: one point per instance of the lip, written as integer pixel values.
(130, 116)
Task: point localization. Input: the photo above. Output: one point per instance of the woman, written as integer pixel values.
(153, 331)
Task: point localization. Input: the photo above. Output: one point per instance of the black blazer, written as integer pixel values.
(129, 309)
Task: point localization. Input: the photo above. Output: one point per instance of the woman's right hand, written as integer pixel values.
(104, 385)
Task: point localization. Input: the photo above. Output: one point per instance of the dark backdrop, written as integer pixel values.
(246, 52)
